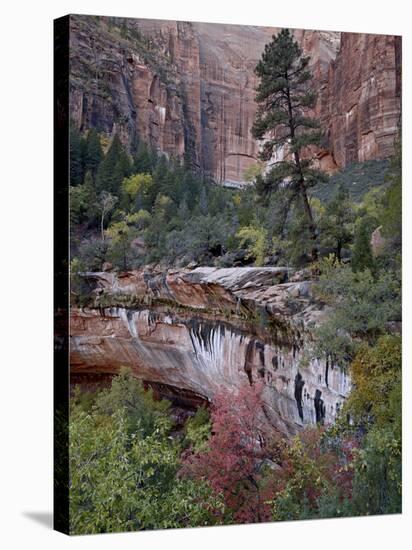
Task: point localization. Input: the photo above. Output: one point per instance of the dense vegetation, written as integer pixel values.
(131, 467)
(146, 209)
(134, 208)
(128, 472)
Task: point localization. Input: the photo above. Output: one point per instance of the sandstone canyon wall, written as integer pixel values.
(188, 89)
(360, 104)
(198, 331)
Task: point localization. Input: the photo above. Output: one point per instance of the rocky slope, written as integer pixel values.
(188, 89)
(194, 332)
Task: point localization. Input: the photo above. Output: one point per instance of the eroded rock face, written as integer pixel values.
(361, 100)
(242, 325)
(189, 88)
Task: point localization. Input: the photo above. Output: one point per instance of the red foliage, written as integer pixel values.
(236, 449)
(242, 441)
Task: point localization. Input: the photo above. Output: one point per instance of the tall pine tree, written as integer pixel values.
(94, 153)
(362, 257)
(76, 156)
(285, 98)
(144, 159)
(114, 167)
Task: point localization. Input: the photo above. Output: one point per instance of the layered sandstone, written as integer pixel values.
(209, 328)
(188, 89)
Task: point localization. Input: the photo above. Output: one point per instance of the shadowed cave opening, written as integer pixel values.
(181, 398)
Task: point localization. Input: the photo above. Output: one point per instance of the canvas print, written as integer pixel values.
(228, 274)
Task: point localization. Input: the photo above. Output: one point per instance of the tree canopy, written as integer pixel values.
(285, 98)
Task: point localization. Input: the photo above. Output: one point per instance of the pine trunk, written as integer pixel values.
(302, 186)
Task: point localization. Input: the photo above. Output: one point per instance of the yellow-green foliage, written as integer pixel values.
(118, 232)
(376, 376)
(198, 429)
(124, 464)
(139, 219)
(138, 183)
(375, 404)
(255, 240)
(371, 204)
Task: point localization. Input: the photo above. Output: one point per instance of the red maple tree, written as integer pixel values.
(238, 447)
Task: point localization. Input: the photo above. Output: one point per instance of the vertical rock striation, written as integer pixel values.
(188, 89)
(207, 329)
(361, 101)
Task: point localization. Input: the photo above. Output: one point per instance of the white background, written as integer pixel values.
(26, 271)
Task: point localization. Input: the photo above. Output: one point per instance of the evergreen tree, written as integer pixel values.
(82, 201)
(362, 257)
(90, 190)
(160, 177)
(392, 201)
(122, 169)
(76, 157)
(113, 169)
(284, 97)
(144, 160)
(191, 188)
(203, 203)
(336, 224)
(94, 153)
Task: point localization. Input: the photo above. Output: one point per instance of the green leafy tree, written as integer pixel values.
(127, 392)
(255, 239)
(138, 190)
(376, 375)
(375, 406)
(285, 98)
(123, 467)
(362, 257)
(121, 235)
(361, 308)
(198, 429)
(336, 225)
(311, 473)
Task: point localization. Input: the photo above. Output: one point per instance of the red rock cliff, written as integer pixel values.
(188, 89)
(360, 103)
